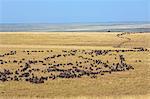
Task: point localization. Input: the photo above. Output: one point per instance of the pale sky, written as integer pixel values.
(68, 11)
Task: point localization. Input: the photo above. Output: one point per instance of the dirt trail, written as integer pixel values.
(124, 36)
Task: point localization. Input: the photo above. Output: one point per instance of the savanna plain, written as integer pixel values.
(74, 65)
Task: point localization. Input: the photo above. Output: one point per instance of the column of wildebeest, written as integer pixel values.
(85, 63)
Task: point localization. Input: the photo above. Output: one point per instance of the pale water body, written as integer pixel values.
(76, 27)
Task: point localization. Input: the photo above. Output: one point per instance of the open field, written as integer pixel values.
(74, 65)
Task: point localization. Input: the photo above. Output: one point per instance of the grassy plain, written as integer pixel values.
(132, 84)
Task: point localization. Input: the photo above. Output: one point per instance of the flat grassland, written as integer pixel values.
(74, 65)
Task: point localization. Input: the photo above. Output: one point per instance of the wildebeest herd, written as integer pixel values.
(38, 66)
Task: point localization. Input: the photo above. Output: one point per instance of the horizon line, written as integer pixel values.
(73, 22)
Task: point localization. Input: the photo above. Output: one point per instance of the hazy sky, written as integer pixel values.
(67, 11)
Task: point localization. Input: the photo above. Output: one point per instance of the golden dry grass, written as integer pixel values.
(132, 84)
